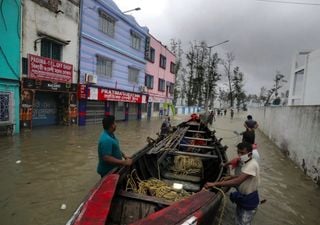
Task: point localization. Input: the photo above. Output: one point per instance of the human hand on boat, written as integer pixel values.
(209, 185)
(127, 162)
(226, 178)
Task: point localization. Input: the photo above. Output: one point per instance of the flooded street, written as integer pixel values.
(58, 166)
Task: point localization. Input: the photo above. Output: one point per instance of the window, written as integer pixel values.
(156, 106)
(298, 83)
(148, 81)
(151, 56)
(161, 86)
(51, 49)
(106, 23)
(104, 66)
(5, 109)
(133, 75)
(135, 40)
(24, 65)
(171, 88)
(163, 61)
(172, 67)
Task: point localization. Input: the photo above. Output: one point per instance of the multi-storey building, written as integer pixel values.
(159, 78)
(112, 64)
(49, 62)
(10, 34)
(304, 79)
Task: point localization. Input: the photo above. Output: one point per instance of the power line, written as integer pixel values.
(289, 2)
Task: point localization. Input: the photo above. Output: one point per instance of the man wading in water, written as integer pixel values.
(247, 198)
(109, 152)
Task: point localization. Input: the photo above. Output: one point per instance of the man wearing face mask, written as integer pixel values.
(246, 198)
(109, 152)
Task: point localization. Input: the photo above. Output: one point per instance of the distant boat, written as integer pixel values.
(116, 200)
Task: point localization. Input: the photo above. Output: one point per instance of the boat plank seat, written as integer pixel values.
(173, 176)
(198, 139)
(197, 146)
(145, 198)
(193, 154)
(197, 131)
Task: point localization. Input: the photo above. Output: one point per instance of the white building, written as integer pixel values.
(305, 79)
(50, 49)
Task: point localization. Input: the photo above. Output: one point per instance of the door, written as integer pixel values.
(45, 110)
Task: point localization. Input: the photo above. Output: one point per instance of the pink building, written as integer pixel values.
(159, 79)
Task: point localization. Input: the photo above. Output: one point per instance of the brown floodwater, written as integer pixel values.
(58, 166)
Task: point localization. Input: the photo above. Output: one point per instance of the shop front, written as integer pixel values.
(159, 106)
(123, 105)
(47, 95)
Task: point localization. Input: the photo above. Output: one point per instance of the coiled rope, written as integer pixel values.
(187, 165)
(154, 187)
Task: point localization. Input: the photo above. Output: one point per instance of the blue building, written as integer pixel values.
(112, 63)
(10, 35)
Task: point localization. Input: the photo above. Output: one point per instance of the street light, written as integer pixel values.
(130, 10)
(207, 91)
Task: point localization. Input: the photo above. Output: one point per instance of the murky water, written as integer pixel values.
(292, 198)
(58, 166)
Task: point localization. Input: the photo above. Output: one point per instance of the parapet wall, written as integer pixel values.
(296, 131)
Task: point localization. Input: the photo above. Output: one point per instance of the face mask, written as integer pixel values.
(244, 158)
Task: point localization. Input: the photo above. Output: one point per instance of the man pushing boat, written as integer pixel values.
(109, 152)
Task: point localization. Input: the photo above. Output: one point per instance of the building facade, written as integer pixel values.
(50, 49)
(10, 38)
(159, 79)
(305, 79)
(112, 64)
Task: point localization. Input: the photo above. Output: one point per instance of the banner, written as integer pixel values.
(42, 68)
(118, 96)
(27, 97)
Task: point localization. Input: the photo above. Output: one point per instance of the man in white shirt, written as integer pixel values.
(247, 198)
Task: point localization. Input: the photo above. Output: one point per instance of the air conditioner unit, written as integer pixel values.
(143, 89)
(91, 78)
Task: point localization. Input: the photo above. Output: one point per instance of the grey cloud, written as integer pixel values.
(263, 36)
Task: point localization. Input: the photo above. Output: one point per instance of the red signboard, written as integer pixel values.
(82, 91)
(49, 69)
(118, 96)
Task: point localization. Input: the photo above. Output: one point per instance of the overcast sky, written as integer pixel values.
(263, 36)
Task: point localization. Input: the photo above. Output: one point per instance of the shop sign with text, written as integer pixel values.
(42, 68)
(118, 96)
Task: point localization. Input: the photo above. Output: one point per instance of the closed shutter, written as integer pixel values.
(95, 112)
(133, 111)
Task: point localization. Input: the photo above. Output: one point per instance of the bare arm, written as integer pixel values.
(118, 162)
(229, 183)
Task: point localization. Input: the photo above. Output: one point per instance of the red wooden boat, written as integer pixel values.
(111, 202)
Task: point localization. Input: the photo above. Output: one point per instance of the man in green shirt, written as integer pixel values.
(109, 152)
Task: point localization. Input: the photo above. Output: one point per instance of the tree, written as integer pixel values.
(237, 84)
(213, 77)
(279, 80)
(191, 56)
(227, 64)
(183, 85)
(177, 50)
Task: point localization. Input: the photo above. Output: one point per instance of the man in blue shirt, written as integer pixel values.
(109, 152)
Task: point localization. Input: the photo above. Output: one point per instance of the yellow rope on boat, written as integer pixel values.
(187, 165)
(223, 205)
(154, 187)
